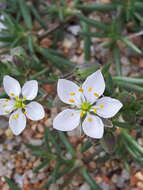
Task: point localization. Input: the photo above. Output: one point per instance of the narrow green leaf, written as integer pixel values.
(42, 72)
(128, 79)
(58, 61)
(37, 16)
(131, 45)
(86, 146)
(25, 13)
(124, 125)
(89, 179)
(129, 86)
(53, 141)
(138, 16)
(11, 184)
(139, 5)
(97, 7)
(87, 41)
(66, 143)
(42, 165)
(30, 44)
(93, 34)
(92, 22)
(116, 56)
(131, 140)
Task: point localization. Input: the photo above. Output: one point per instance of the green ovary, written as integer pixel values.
(85, 106)
(20, 104)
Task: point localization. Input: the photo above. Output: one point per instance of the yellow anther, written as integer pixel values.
(89, 119)
(16, 116)
(95, 110)
(90, 89)
(24, 98)
(71, 100)
(7, 112)
(72, 93)
(95, 94)
(102, 106)
(11, 94)
(25, 112)
(80, 90)
(7, 100)
(23, 105)
(16, 97)
(82, 114)
(4, 105)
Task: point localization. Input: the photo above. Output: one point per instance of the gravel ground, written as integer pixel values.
(16, 160)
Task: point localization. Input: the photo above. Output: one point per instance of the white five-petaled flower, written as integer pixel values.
(16, 104)
(86, 105)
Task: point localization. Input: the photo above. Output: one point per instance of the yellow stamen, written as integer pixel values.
(16, 116)
(95, 110)
(102, 106)
(25, 112)
(82, 114)
(4, 105)
(80, 90)
(7, 100)
(16, 97)
(23, 105)
(24, 98)
(95, 94)
(89, 119)
(11, 94)
(72, 93)
(71, 100)
(90, 89)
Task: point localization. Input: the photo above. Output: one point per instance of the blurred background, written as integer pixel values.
(50, 39)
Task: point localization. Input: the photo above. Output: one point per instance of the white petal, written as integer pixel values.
(94, 86)
(68, 92)
(11, 86)
(109, 107)
(17, 122)
(30, 89)
(35, 111)
(67, 120)
(93, 126)
(6, 106)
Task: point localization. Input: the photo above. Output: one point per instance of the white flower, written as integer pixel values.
(86, 105)
(16, 104)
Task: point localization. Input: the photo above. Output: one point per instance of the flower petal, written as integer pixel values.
(93, 126)
(69, 92)
(11, 86)
(6, 106)
(94, 86)
(35, 111)
(17, 122)
(67, 120)
(108, 107)
(30, 89)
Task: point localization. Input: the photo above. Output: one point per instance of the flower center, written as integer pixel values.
(19, 103)
(85, 106)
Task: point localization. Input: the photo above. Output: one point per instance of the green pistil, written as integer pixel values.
(20, 103)
(85, 106)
